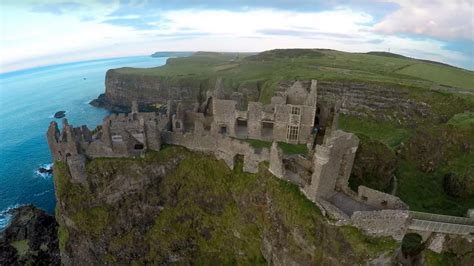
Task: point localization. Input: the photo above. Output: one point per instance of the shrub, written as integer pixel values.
(412, 244)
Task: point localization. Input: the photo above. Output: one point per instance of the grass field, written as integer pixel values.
(440, 74)
(387, 133)
(268, 68)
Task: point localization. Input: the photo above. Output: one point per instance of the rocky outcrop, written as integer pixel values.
(60, 114)
(30, 238)
(373, 100)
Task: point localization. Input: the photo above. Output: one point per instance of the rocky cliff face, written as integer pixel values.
(30, 238)
(176, 206)
(121, 89)
(359, 99)
(373, 100)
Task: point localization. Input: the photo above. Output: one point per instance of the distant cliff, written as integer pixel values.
(359, 98)
(121, 89)
(170, 54)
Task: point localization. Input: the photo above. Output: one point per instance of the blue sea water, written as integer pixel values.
(28, 101)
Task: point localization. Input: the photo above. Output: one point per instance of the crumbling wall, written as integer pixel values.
(224, 116)
(392, 223)
(222, 147)
(380, 199)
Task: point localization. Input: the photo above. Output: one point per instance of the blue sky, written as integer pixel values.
(36, 33)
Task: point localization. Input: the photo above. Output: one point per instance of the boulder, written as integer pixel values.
(60, 114)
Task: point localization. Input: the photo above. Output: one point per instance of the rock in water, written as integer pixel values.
(60, 114)
(43, 170)
(30, 239)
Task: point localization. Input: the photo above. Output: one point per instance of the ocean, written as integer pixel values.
(28, 101)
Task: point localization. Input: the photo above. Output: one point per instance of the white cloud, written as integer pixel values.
(245, 23)
(445, 19)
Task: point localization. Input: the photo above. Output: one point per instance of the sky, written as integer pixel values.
(37, 33)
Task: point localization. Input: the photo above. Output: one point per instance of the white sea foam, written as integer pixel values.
(41, 193)
(6, 215)
(47, 166)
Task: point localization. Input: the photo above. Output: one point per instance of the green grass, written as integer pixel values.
(287, 148)
(63, 237)
(92, 220)
(441, 74)
(463, 120)
(21, 246)
(385, 132)
(293, 148)
(259, 144)
(424, 191)
(442, 259)
(364, 243)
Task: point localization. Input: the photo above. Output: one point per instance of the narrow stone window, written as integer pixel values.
(178, 125)
(223, 130)
(138, 147)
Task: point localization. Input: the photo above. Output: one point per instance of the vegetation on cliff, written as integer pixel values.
(181, 206)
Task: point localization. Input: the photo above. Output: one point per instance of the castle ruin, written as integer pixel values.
(221, 125)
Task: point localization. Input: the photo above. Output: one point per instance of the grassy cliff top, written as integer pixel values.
(321, 64)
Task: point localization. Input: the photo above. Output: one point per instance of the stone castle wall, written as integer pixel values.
(222, 147)
(380, 199)
(392, 223)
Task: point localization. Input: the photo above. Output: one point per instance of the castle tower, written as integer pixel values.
(332, 164)
(53, 137)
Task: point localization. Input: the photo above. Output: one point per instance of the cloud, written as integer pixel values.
(453, 19)
(341, 22)
(136, 23)
(58, 8)
(305, 33)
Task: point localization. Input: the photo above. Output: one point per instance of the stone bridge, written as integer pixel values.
(431, 222)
